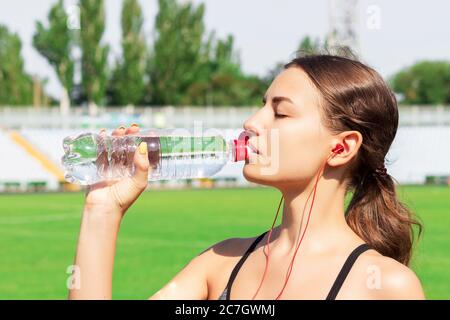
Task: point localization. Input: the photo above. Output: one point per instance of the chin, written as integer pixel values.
(252, 173)
(281, 180)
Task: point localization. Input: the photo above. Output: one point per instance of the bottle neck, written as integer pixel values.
(237, 150)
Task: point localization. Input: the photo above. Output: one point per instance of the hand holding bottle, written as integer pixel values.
(119, 195)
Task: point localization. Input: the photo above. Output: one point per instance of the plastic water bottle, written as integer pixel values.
(172, 153)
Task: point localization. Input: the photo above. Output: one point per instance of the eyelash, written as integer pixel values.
(280, 115)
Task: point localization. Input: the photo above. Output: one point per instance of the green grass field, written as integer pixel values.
(165, 229)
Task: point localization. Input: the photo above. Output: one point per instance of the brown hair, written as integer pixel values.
(355, 97)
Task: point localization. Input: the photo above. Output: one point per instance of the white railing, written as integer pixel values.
(183, 117)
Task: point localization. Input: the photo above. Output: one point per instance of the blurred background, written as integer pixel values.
(68, 67)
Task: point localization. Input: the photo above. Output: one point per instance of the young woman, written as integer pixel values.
(334, 119)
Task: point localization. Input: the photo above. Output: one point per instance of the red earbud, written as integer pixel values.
(338, 149)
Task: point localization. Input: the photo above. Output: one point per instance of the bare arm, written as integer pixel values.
(105, 205)
(95, 254)
(95, 259)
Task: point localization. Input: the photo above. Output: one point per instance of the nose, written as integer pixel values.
(252, 126)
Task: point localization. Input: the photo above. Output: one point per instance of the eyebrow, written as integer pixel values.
(277, 99)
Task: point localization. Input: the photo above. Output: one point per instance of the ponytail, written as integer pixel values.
(381, 219)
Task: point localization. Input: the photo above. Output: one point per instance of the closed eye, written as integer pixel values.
(275, 102)
(277, 115)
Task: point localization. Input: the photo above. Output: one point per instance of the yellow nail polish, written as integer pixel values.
(143, 148)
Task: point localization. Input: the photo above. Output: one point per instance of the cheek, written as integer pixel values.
(295, 155)
(300, 148)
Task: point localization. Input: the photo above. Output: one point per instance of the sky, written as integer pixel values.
(392, 34)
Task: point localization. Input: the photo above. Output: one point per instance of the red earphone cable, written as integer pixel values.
(338, 149)
(303, 234)
(267, 256)
(268, 242)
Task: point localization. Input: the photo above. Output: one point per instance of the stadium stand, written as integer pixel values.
(19, 171)
(49, 141)
(420, 152)
(30, 157)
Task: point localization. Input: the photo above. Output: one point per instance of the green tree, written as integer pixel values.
(221, 80)
(187, 66)
(177, 51)
(426, 82)
(16, 86)
(94, 66)
(55, 43)
(128, 81)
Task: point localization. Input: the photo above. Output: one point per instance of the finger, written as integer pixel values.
(141, 164)
(126, 191)
(133, 129)
(119, 131)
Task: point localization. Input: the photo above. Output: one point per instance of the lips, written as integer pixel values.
(253, 148)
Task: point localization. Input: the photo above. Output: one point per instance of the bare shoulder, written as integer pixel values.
(392, 279)
(222, 257)
(224, 254)
(227, 249)
(193, 281)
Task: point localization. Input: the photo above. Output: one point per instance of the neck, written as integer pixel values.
(326, 225)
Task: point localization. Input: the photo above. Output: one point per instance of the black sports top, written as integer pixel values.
(334, 289)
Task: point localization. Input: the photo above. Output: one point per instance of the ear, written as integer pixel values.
(351, 141)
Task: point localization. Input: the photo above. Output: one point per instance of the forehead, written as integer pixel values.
(295, 84)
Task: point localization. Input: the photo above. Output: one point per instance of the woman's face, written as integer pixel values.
(288, 133)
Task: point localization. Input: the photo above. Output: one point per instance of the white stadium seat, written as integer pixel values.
(16, 166)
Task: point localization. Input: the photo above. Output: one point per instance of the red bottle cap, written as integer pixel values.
(240, 145)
